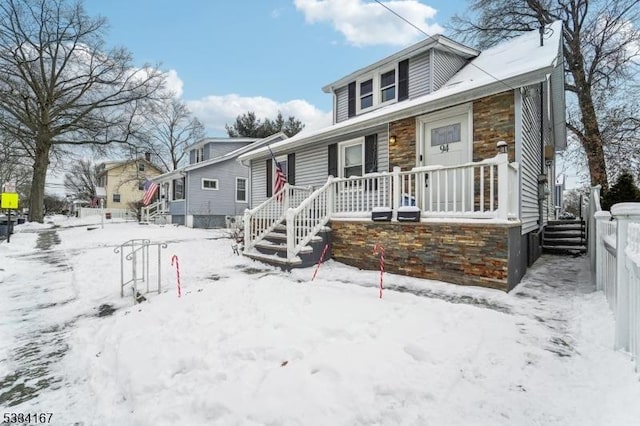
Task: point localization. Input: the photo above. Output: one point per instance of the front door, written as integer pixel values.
(446, 141)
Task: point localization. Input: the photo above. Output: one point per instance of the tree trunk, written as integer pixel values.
(40, 165)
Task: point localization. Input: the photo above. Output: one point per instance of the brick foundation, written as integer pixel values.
(459, 253)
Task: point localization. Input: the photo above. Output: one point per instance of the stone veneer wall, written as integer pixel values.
(459, 253)
(403, 152)
(493, 121)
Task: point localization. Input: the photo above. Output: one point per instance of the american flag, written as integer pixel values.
(280, 180)
(150, 189)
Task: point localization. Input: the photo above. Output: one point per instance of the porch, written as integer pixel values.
(461, 219)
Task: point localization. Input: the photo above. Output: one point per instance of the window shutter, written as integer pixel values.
(351, 89)
(269, 178)
(291, 169)
(403, 80)
(371, 153)
(333, 160)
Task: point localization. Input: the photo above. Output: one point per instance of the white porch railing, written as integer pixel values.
(263, 219)
(154, 210)
(487, 189)
(617, 268)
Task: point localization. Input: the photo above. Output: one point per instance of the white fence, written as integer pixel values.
(616, 266)
(113, 213)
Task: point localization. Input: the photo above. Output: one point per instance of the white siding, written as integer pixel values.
(419, 75)
(445, 65)
(342, 104)
(531, 158)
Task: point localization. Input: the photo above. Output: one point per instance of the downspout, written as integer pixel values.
(542, 177)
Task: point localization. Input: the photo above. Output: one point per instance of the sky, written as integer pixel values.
(225, 58)
(249, 344)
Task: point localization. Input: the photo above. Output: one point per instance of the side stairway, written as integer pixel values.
(273, 249)
(565, 237)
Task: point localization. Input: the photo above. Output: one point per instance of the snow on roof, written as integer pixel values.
(515, 63)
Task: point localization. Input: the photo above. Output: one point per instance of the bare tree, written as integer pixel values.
(82, 180)
(60, 87)
(170, 127)
(601, 43)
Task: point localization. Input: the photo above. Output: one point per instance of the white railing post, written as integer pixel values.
(599, 219)
(246, 223)
(285, 200)
(623, 213)
(594, 208)
(330, 196)
(397, 196)
(291, 236)
(503, 186)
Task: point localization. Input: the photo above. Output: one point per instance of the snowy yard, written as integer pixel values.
(248, 344)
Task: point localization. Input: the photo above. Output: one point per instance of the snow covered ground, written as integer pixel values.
(247, 344)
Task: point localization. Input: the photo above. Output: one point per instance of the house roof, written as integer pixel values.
(110, 165)
(515, 63)
(252, 143)
(437, 42)
(205, 141)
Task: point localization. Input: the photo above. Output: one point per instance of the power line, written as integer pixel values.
(445, 46)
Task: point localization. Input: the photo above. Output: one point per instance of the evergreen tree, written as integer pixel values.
(623, 191)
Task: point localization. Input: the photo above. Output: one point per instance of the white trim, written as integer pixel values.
(246, 189)
(345, 144)
(202, 180)
(518, 134)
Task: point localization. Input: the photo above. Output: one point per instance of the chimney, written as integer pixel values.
(147, 156)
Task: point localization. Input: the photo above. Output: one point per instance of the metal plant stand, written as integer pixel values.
(139, 252)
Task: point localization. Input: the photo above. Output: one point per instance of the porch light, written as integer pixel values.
(502, 147)
(392, 139)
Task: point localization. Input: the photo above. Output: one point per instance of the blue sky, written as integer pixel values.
(227, 57)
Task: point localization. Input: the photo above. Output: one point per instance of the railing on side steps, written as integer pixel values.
(139, 252)
(263, 219)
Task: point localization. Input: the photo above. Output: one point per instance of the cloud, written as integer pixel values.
(174, 83)
(215, 111)
(371, 24)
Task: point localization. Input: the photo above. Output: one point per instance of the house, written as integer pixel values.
(449, 149)
(212, 188)
(123, 181)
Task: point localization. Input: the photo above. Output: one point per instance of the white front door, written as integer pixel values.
(446, 141)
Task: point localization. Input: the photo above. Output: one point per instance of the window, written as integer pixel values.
(211, 184)
(352, 158)
(198, 155)
(178, 189)
(376, 90)
(445, 134)
(388, 86)
(116, 198)
(140, 186)
(141, 167)
(366, 94)
(241, 190)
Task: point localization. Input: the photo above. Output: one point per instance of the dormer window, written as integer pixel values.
(199, 154)
(376, 90)
(366, 94)
(388, 86)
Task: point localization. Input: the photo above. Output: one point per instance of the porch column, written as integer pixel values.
(503, 181)
(397, 196)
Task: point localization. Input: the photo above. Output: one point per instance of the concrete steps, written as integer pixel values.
(564, 237)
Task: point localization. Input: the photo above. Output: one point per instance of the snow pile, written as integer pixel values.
(249, 344)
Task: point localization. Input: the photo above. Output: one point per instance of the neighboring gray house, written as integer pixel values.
(212, 188)
(460, 141)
